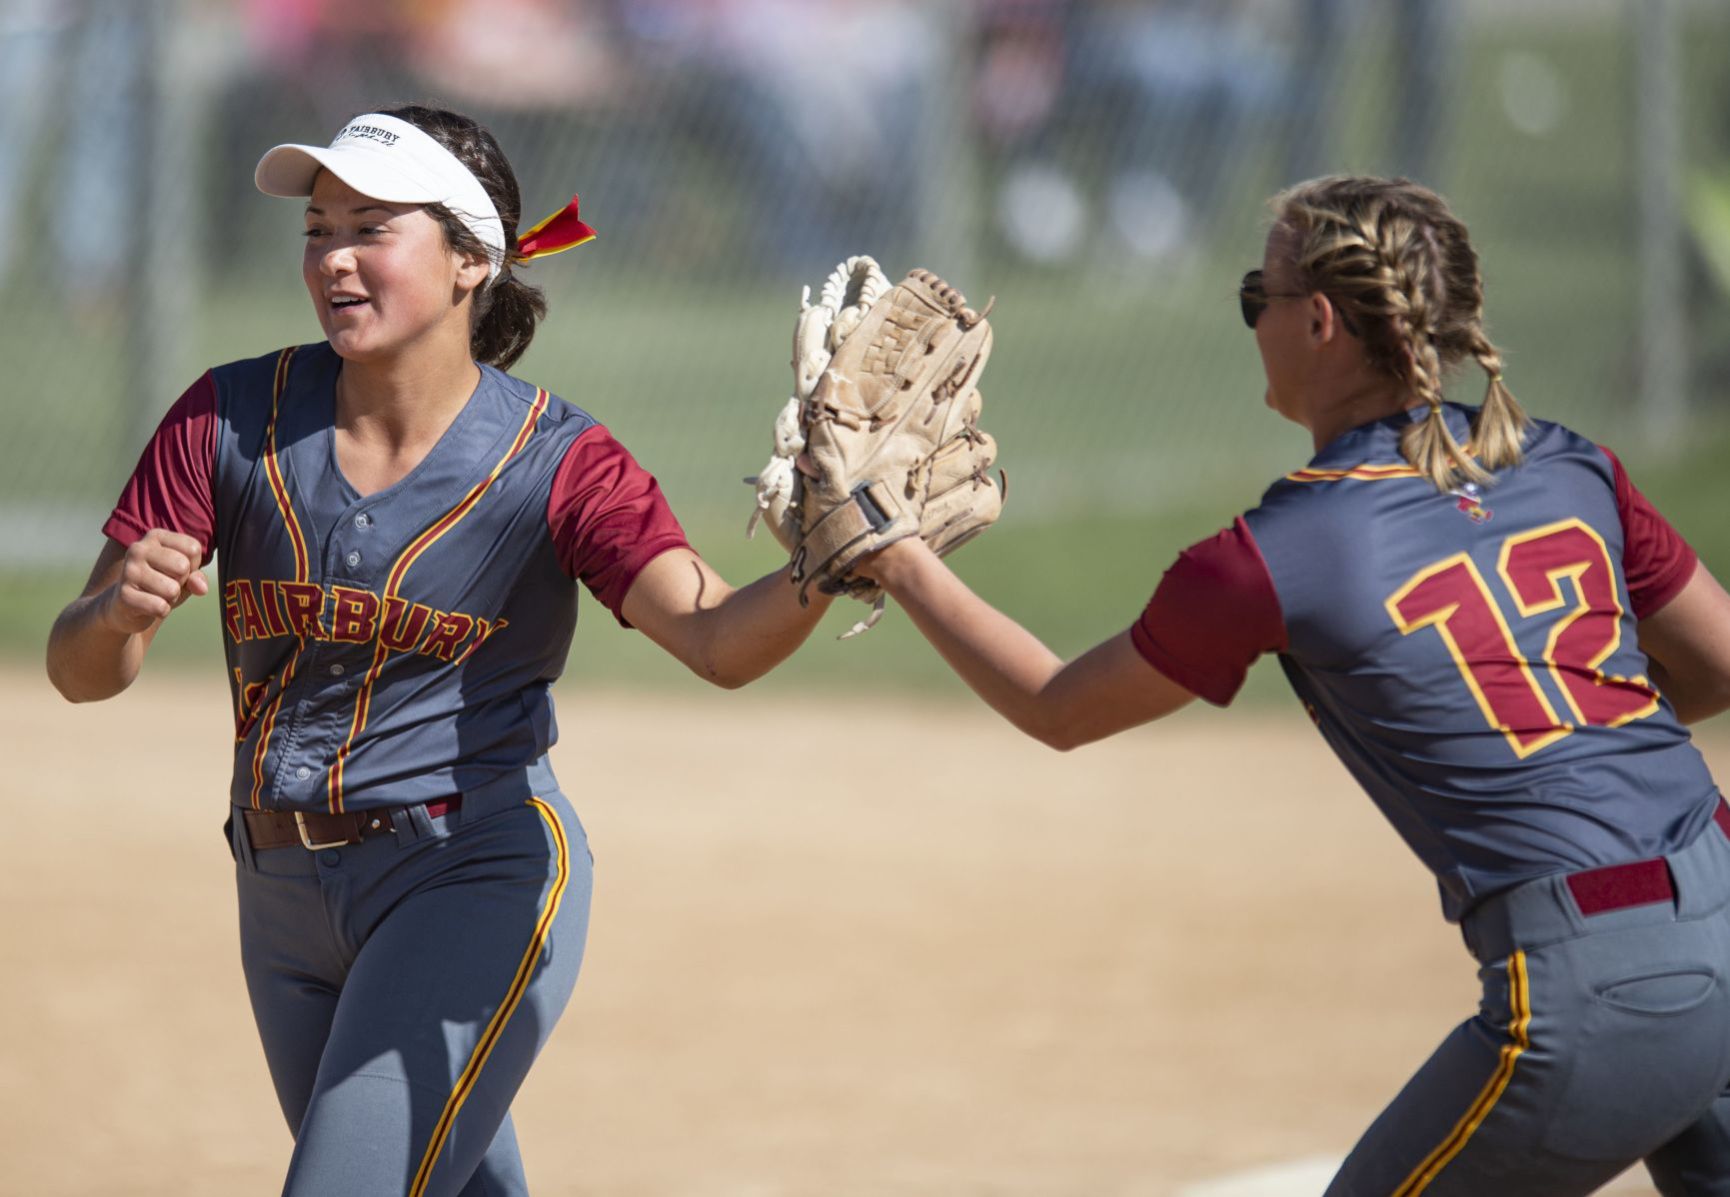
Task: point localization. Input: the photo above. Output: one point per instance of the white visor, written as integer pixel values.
(389, 159)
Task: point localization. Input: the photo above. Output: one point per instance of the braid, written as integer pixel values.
(1409, 250)
(1499, 426)
(1502, 422)
(1392, 256)
(1400, 248)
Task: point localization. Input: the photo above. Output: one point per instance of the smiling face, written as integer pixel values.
(382, 277)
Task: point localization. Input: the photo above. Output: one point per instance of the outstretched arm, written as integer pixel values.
(1687, 641)
(725, 636)
(98, 643)
(1105, 690)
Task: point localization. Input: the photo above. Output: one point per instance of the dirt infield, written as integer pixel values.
(1192, 950)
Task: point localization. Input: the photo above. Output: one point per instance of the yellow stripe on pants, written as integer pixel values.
(513, 997)
(1520, 1005)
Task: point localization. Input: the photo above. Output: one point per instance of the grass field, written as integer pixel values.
(1126, 400)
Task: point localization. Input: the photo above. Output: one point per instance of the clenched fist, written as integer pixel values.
(159, 572)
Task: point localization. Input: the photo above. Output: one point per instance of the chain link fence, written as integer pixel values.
(1100, 167)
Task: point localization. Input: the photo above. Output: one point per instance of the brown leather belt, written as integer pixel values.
(319, 829)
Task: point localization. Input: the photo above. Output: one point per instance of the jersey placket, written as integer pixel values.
(359, 606)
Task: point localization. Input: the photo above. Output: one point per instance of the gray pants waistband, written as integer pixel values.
(1542, 912)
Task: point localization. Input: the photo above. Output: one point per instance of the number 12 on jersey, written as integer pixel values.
(1452, 597)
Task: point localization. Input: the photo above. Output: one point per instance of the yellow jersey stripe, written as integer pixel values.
(420, 544)
(269, 727)
(285, 506)
(273, 470)
(1369, 473)
(1366, 471)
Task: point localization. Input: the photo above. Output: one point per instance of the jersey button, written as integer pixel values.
(353, 559)
(336, 671)
(363, 520)
(303, 773)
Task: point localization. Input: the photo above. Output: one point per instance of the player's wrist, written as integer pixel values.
(892, 563)
(113, 616)
(105, 612)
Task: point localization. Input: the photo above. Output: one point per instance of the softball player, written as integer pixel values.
(400, 526)
(1502, 640)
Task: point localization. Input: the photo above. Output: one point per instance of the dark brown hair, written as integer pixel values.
(506, 309)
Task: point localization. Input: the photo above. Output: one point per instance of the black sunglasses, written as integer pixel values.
(1253, 297)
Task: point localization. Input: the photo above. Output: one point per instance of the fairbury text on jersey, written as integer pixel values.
(264, 609)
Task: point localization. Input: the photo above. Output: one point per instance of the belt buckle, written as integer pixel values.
(306, 840)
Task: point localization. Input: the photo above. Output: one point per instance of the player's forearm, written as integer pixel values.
(757, 627)
(1687, 646)
(1693, 697)
(1003, 663)
(88, 660)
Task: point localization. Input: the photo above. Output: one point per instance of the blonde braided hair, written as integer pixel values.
(1401, 268)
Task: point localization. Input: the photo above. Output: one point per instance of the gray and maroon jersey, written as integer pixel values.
(396, 647)
(1471, 657)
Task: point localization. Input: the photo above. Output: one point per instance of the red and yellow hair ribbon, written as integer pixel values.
(554, 235)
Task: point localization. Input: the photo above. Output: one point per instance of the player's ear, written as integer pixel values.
(1323, 320)
(472, 271)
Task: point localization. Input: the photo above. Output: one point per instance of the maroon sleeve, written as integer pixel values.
(1656, 561)
(1214, 613)
(608, 518)
(172, 486)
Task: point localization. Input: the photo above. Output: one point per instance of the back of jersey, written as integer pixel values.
(1472, 656)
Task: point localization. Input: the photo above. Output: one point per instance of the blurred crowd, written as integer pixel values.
(1110, 128)
(1111, 125)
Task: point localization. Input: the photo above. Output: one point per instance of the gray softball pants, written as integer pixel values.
(1602, 1039)
(402, 986)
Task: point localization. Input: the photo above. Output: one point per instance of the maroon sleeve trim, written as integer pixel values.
(1656, 598)
(633, 568)
(608, 518)
(1215, 611)
(172, 485)
(1656, 561)
(1218, 689)
(123, 529)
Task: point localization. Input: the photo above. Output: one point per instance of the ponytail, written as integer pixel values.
(506, 313)
(1431, 449)
(1500, 425)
